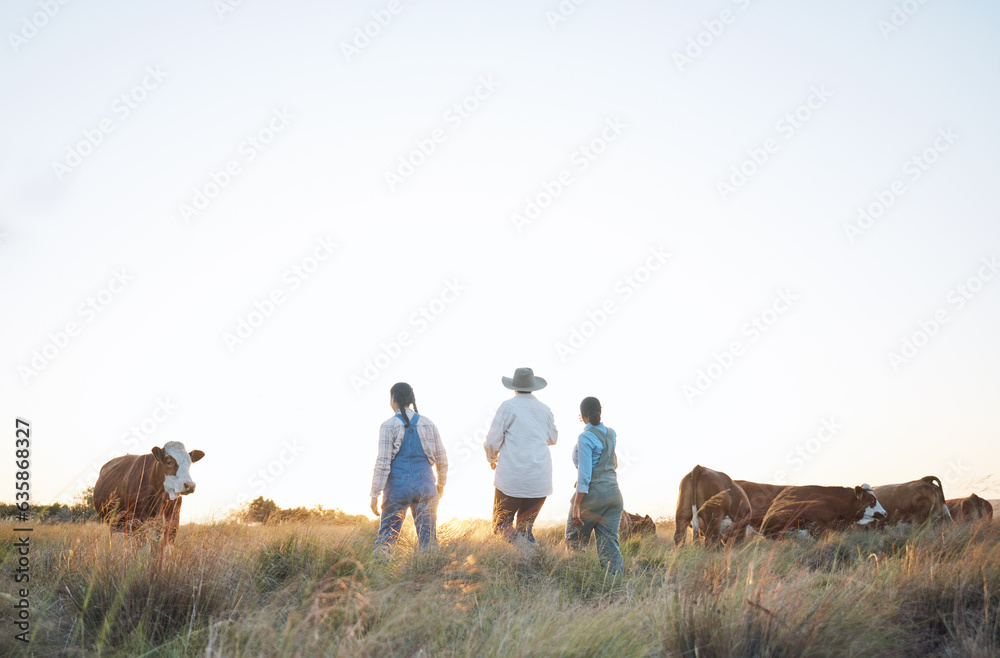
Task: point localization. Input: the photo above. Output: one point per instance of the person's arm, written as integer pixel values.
(440, 458)
(585, 468)
(494, 438)
(553, 432)
(576, 508)
(382, 465)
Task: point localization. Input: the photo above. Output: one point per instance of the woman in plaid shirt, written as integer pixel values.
(408, 444)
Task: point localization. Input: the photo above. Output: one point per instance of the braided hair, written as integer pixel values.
(590, 409)
(402, 393)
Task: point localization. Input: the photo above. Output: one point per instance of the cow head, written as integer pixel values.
(869, 507)
(176, 463)
(643, 525)
(975, 508)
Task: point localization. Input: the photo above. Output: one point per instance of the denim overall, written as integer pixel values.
(410, 486)
(600, 509)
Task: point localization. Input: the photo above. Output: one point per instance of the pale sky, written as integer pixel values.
(507, 186)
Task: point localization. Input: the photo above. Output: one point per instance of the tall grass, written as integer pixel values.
(317, 590)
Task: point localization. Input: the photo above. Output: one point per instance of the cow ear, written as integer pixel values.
(859, 492)
(196, 455)
(649, 519)
(158, 453)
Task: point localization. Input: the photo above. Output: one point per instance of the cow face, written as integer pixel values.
(868, 504)
(176, 462)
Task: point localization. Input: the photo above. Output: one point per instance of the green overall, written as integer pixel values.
(600, 509)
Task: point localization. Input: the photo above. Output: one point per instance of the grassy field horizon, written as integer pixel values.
(230, 589)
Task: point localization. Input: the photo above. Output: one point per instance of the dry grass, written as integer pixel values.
(316, 590)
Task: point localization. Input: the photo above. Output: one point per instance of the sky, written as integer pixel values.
(764, 234)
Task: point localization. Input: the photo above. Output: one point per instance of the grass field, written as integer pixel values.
(315, 590)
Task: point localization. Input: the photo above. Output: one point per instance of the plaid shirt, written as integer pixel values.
(390, 438)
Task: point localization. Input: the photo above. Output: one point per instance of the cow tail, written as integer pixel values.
(695, 472)
(944, 506)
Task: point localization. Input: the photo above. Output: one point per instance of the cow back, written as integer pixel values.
(130, 488)
(912, 502)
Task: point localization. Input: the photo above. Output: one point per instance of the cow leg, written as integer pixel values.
(713, 530)
(681, 523)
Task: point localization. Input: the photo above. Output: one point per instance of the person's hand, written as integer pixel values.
(493, 465)
(440, 490)
(375, 506)
(576, 514)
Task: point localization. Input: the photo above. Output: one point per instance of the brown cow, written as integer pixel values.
(633, 524)
(760, 496)
(816, 508)
(972, 508)
(913, 502)
(135, 489)
(713, 505)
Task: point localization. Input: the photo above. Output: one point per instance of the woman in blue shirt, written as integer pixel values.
(597, 503)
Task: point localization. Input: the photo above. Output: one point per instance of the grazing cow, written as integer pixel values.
(760, 496)
(135, 489)
(633, 524)
(972, 508)
(713, 505)
(913, 502)
(816, 509)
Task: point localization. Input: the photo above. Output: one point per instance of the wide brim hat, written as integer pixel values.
(524, 379)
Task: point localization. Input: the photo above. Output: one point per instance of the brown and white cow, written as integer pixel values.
(713, 505)
(972, 508)
(133, 490)
(816, 509)
(761, 496)
(913, 502)
(633, 524)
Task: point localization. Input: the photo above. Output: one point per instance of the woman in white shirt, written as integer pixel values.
(517, 446)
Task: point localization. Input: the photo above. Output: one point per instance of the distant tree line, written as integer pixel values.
(259, 510)
(80, 510)
(265, 510)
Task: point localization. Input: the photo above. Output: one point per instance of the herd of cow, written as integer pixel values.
(134, 490)
(721, 509)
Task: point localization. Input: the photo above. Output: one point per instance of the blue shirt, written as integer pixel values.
(586, 454)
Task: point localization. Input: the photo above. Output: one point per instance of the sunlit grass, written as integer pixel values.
(234, 590)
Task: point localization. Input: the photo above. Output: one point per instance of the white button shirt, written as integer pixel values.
(518, 443)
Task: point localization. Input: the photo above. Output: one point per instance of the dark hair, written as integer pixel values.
(590, 409)
(402, 393)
